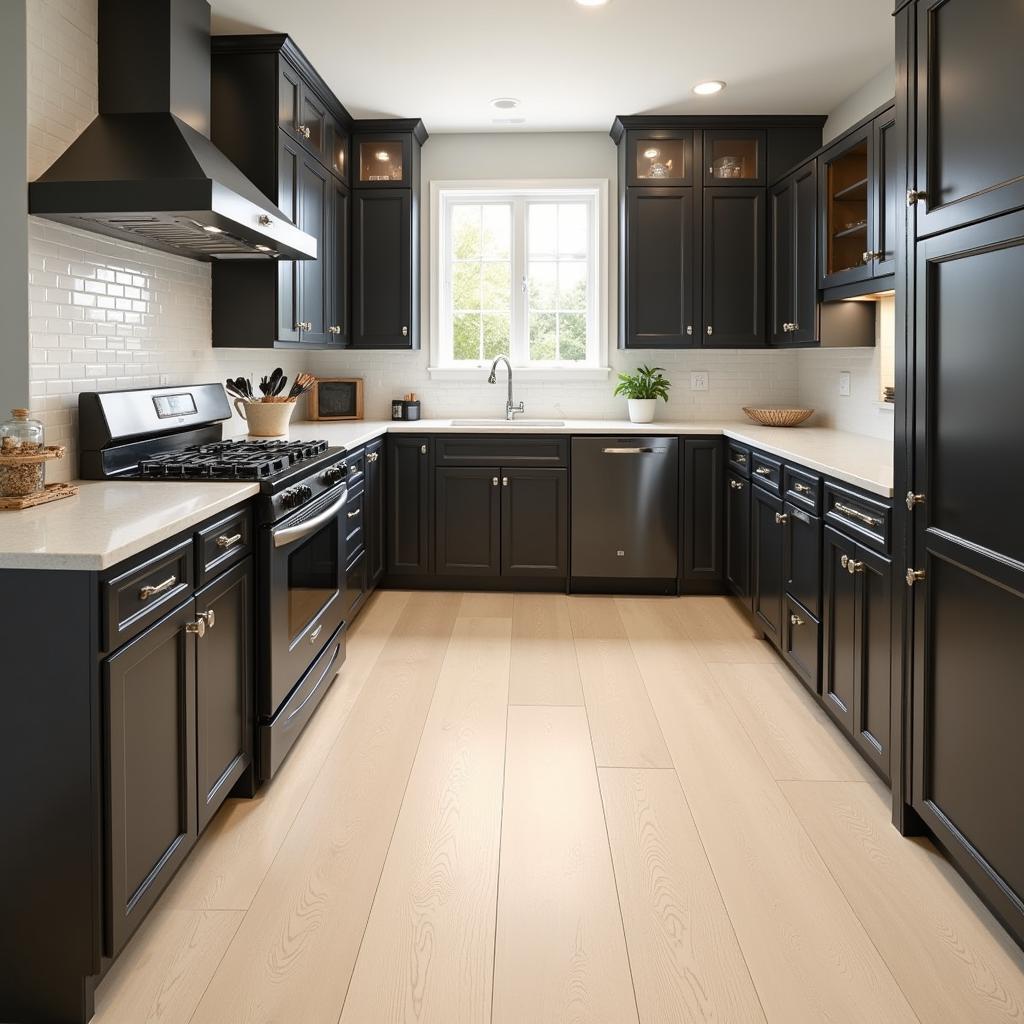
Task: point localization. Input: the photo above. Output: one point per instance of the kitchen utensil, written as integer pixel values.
(774, 417)
(265, 419)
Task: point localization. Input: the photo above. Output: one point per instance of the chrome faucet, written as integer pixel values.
(510, 409)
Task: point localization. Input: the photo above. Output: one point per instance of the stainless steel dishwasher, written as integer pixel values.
(625, 512)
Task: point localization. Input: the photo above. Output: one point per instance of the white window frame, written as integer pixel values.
(443, 195)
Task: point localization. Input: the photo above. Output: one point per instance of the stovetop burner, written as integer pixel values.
(231, 460)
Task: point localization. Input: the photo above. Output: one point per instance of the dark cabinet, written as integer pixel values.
(734, 157)
(857, 628)
(224, 686)
(733, 267)
(659, 157)
(802, 557)
(150, 715)
(793, 258)
(315, 301)
(970, 151)
(659, 272)
(408, 505)
(701, 510)
(338, 269)
(766, 552)
(737, 536)
(534, 522)
(383, 272)
(467, 521)
(374, 510)
(886, 183)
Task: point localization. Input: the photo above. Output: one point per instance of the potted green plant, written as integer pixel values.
(642, 391)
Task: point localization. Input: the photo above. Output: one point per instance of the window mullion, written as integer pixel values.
(519, 347)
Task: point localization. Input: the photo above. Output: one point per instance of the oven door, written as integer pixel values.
(305, 580)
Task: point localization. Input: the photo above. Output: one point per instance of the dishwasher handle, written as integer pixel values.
(633, 451)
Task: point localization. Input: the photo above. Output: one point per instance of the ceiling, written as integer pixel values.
(575, 68)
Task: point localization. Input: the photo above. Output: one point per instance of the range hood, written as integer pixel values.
(145, 170)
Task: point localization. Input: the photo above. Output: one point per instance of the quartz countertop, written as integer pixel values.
(108, 521)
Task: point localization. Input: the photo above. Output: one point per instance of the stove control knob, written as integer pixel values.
(305, 492)
(291, 498)
(333, 475)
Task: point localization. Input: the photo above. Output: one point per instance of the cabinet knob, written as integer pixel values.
(853, 567)
(736, 485)
(913, 500)
(914, 196)
(405, 332)
(689, 328)
(197, 628)
(915, 576)
(334, 329)
(423, 449)
(264, 220)
(504, 481)
(844, 561)
(304, 325)
(494, 481)
(794, 327)
(796, 620)
(303, 130)
(781, 518)
(372, 456)
(710, 329)
(208, 617)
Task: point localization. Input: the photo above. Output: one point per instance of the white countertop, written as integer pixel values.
(108, 521)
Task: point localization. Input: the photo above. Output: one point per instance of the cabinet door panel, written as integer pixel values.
(534, 522)
(382, 279)
(802, 558)
(467, 522)
(702, 510)
(737, 536)
(224, 687)
(766, 562)
(660, 158)
(887, 195)
(338, 265)
(733, 157)
(289, 174)
(408, 504)
(970, 151)
(150, 699)
(660, 270)
(847, 209)
(873, 699)
(373, 503)
(734, 253)
(805, 257)
(839, 627)
(782, 208)
(315, 198)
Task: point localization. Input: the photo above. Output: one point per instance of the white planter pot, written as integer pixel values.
(641, 410)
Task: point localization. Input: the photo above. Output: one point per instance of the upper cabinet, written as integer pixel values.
(858, 205)
(275, 118)
(969, 83)
(692, 226)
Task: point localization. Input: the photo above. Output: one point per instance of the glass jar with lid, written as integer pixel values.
(20, 436)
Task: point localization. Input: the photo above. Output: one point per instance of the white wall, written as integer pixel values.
(103, 314)
(870, 96)
(736, 378)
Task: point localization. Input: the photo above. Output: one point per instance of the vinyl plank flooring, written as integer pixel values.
(790, 730)
(162, 974)
(292, 957)
(544, 669)
(950, 957)
(625, 730)
(685, 959)
(808, 954)
(560, 955)
(477, 605)
(427, 955)
(720, 631)
(235, 852)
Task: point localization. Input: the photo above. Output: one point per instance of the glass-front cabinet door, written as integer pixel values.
(848, 207)
(383, 162)
(734, 157)
(659, 158)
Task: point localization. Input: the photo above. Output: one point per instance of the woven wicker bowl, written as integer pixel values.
(778, 417)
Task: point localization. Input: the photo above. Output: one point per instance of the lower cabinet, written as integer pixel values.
(374, 513)
(507, 521)
(766, 521)
(737, 537)
(150, 712)
(701, 511)
(857, 644)
(224, 686)
(408, 505)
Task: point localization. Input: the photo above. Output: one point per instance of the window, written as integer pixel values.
(519, 274)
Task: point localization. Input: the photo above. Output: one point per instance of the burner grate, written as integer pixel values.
(231, 460)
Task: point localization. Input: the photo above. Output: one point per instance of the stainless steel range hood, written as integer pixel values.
(145, 170)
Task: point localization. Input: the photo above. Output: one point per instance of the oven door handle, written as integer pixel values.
(289, 534)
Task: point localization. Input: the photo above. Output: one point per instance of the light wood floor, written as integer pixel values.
(538, 809)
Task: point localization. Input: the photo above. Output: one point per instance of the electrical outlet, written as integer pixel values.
(699, 381)
(844, 384)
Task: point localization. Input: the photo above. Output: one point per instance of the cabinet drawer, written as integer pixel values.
(802, 488)
(766, 472)
(356, 463)
(491, 450)
(738, 459)
(354, 513)
(802, 558)
(222, 544)
(801, 647)
(355, 587)
(145, 590)
(860, 517)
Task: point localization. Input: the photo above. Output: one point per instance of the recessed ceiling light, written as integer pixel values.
(505, 103)
(708, 88)
(591, 3)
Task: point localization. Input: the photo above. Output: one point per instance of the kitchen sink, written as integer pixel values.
(511, 424)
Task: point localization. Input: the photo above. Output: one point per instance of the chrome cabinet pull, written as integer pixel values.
(915, 576)
(914, 500)
(914, 196)
(372, 456)
(264, 220)
(151, 590)
(795, 620)
(303, 130)
(781, 518)
(632, 451)
(504, 481)
(334, 329)
(854, 513)
(736, 485)
(763, 471)
(844, 561)
(494, 481)
(405, 332)
(423, 449)
(197, 628)
(689, 328)
(710, 330)
(208, 617)
(353, 513)
(316, 632)
(853, 567)
(802, 488)
(228, 542)
(304, 325)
